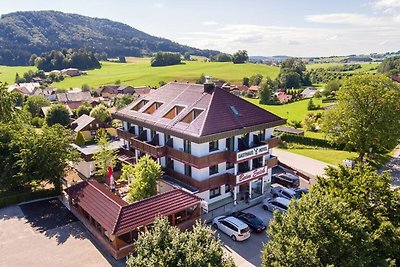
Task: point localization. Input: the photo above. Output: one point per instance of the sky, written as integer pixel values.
(262, 27)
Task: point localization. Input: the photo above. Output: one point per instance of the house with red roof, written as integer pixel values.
(204, 137)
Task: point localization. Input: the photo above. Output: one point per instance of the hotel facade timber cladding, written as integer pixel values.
(205, 137)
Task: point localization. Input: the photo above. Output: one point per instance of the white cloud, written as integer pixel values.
(384, 4)
(210, 23)
(347, 18)
(295, 41)
(159, 5)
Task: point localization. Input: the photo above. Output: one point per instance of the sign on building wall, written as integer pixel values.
(246, 154)
(251, 174)
(204, 206)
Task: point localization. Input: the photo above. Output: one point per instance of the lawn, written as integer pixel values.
(293, 111)
(334, 157)
(141, 73)
(365, 67)
(7, 73)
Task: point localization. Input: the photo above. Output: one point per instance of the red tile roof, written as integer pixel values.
(218, 115)
(117, 216)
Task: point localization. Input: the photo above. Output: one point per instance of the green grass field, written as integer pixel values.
(141, 73)
(334, 157)
(7, 74)
(365, 67)
(293, 111)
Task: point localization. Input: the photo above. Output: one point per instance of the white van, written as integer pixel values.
(233, 227)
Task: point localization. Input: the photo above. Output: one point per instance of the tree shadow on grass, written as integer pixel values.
(52, 219)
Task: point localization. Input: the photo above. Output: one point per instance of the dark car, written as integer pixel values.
(255, 223)
(286, 179)
(300, 191)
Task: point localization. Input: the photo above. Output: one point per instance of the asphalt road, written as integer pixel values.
(248, 252)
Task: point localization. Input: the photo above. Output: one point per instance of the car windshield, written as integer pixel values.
(256, 221)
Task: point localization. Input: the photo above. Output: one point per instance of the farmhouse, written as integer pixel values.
(74, 100)
(204, 137)
(309, 92)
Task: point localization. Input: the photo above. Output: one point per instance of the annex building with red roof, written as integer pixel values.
(204, 137)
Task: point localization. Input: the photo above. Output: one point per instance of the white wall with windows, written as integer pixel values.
(213, 195)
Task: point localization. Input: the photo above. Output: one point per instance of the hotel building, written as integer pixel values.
(204, 137)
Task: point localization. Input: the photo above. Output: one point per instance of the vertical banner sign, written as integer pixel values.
(111, 178)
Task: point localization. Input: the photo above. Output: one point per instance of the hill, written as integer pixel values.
(25, 33)
(141, 73)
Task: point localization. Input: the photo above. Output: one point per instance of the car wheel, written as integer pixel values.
(265, 207)
(215, 226)
(233, 238)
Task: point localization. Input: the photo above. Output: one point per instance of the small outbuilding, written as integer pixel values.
(289, 130)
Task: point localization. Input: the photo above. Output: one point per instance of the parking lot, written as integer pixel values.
(248, 252)
(44, 234)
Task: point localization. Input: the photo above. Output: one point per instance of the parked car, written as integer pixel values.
(277, 203)
(255, 223)
(300, 191)
(286, 179)
(279, 191)
(233, 227)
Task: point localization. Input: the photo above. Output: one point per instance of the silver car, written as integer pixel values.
(277, 203)
(279, 191)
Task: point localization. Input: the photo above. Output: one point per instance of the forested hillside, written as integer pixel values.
(25, 33)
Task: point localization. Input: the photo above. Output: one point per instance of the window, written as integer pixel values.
(140, 105)
(170, 163)
(152, 134)
(213, 169)
(188, 170)
(168, 141)
(213, 146)
(192, 115)
(153, 107)
(261, 135)
(215, 192)
(187, 146)
(227, 188)
(174, 112)
(230, 143)
(140, 130)
(229, 165)
(257, 162)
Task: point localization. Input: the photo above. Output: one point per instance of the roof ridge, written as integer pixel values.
(118, 219)
(89, 182)
(207, 111)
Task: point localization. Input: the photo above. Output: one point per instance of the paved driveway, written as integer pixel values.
(394, 166)
(248, 252)
(44, 234)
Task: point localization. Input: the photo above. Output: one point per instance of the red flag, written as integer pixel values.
(110, 177)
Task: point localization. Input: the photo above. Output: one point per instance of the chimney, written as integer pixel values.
(208, 85)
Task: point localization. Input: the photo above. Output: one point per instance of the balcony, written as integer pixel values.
(225, 178)
(154, 151)
(272, 142)
(125, 135)
(198, 162)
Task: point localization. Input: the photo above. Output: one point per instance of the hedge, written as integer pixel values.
(17, 198)
(290, 138)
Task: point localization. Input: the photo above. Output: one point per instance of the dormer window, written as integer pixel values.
(174, 112)
(153, 107)
(140, 105)
(192, 115)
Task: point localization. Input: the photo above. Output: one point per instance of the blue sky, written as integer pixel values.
(262, 27)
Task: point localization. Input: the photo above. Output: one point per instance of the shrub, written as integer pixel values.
(290, 138)
(22, 197)
(80, 140)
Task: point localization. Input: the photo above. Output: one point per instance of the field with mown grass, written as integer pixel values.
(293, 111)
(7, 73)
(331, 156)
(139, 72)
(365, 67)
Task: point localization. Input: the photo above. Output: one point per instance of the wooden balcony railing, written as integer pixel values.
(125, 135)
(272, 142)
(271, 162)
(201, 162)
(210, 183)
(154, 151)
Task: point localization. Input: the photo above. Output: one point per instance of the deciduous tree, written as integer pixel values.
(165, 245)
(105, 156)
(367, 114)
(34, 103)
(145, 175)
(240, 57)
(58, 114)
(101, 113)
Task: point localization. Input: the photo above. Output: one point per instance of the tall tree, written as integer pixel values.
(165, 245)
(256, 79)
(106, 156)
(265, 91)
(83, 109)
(123, 101)
(349, 218)
(7, 104)
(367, 114)
(145, 175)
(240, 57)
(58, 114)
(34, 103)
(101, 113)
